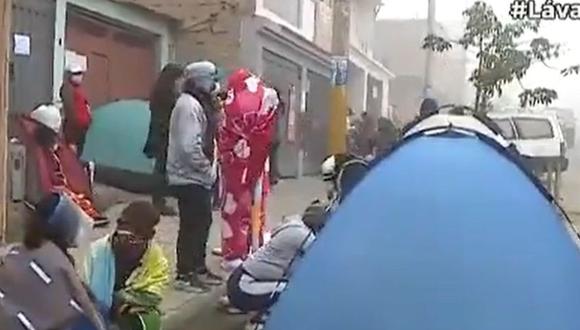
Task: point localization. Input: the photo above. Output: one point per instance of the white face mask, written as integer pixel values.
(77, 78)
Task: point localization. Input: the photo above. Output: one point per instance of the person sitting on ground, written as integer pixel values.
(127, 272)
(63, 173)
(39, 286)
(256, 285)
(343, 172)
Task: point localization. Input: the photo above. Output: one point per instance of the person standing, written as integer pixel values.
(191, 173)
(161, 103)
(244, 145)
(77, 111)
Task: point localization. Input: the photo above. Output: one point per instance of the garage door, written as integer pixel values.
(121, 61)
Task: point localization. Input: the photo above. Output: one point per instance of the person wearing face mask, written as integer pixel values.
(77, 110)
(191, 173)
(59, 170)
(127, 272)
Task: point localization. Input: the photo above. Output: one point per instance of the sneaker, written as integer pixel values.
(182, 283)
(209, 278)
(225, 307)
(197, 285)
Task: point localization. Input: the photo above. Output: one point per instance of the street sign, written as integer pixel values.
(339, 70)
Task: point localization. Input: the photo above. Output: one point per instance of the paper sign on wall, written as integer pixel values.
(73, 58)
(22, 44)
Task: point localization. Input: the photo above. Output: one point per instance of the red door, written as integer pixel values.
(121, 62)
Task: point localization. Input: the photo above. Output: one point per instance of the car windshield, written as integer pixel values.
(506, 128)
(534, 128)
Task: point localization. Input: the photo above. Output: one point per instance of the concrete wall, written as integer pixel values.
(362, 25)
(288, 10)
(323, 29)
(356, 88)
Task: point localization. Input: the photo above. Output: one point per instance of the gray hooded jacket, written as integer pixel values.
(186, 161)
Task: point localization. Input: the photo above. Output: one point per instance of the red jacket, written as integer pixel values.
(81, 108)
(76, 109)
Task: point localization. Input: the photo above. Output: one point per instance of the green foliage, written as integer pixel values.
(501, 57)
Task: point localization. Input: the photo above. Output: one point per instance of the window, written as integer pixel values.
(506, 128)
(534, 128)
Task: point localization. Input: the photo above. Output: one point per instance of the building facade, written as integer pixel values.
(105, 36)
(368, 85)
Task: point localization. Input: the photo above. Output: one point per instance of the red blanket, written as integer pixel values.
(244, 143)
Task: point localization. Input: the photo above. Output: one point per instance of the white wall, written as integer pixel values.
(362, 25)
(308, 19)
(307, 22)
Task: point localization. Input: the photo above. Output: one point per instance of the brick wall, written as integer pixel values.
(208, 29)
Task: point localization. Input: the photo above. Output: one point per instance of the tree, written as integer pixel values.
(502, 56)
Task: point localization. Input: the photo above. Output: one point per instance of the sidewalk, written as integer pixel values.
(289, 197)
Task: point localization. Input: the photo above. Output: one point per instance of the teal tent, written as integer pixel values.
(115, 143)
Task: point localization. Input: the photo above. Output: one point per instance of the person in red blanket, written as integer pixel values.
(56, 163)
(244, 143)
(77, 111)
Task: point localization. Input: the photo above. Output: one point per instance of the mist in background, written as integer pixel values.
(449, 14)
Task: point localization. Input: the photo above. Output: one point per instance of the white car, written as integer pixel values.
(537, 137)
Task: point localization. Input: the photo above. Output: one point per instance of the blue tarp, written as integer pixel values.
(445, 234)
(117, 136)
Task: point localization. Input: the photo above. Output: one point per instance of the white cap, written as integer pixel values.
(49, 116)
(75, 68)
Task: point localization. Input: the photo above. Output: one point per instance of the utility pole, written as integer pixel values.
(337, 128)
(5, 24)
(429, 54)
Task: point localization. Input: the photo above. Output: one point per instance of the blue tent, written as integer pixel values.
(447, 233)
